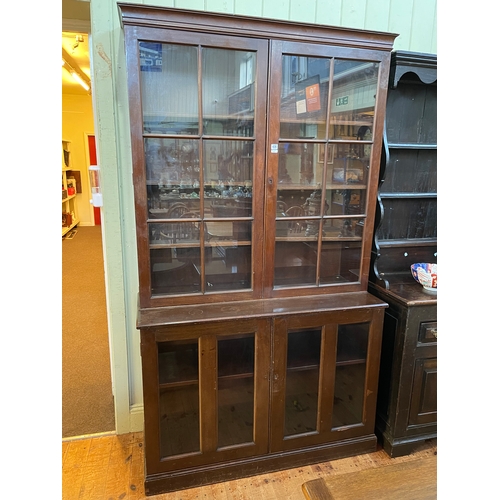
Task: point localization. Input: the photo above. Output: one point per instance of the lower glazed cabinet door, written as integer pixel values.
(206, 393)
(325, 375)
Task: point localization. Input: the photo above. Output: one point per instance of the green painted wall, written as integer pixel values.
(413, 20)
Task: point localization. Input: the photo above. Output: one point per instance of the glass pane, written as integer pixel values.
(228, 92)
(169, 88)
(172, 175)
(350, 164)
(175, 257)
(302, 381)
(340, 261)
(228, 171)
(288, 198)
(179, 397)
(350, 374)
(300, 164)
(304, 96)
(353, 100)
(346, 201)
(235, 384)
(228, 267)
(295, 261)
(224, 234)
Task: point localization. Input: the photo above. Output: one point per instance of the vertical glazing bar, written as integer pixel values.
(208, 393)
(200, 163)
(327, 377)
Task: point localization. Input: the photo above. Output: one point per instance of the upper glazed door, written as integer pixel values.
(322, 166)
(198, 133)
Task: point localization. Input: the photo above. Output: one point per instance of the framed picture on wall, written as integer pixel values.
(212, 153)
(329, 154)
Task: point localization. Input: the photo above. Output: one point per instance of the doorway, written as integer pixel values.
(93, 161)
(87, 395)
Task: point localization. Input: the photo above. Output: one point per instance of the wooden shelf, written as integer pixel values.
(67, 229)
(70, 197)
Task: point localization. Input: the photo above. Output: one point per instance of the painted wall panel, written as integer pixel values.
(353, 14)
(226, 6)
(302, 11)
(248, 7)
(328, 12)
(423, 32)
(193, 4)
(278, 9)
(400, 22)
(377, 15)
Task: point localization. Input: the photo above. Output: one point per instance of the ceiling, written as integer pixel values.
(75, 44)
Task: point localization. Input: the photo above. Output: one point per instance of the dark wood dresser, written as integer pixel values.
(406, 233)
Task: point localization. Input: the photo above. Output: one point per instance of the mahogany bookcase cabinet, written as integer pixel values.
(405, 233)
(256, 148)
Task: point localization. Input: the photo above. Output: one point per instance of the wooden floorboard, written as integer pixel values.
(112, 467)
(413, 480)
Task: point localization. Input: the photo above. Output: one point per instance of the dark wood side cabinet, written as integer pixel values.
(256, 148)
(405, 233)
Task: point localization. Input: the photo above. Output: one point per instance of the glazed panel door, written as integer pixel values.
(324, 377)
(197, 109)
(323, 151)
(207, 393)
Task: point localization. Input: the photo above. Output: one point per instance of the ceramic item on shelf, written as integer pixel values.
(426, 274)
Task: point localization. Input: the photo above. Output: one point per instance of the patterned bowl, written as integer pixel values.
(425, 274)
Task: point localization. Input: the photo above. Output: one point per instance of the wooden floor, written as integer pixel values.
(111, 467)
(416, 479)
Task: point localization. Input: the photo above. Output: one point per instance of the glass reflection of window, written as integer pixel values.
(169, 88)
(228, 91)
(246, 71)
(353, 99)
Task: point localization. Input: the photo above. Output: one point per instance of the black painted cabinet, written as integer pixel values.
(407, 396)
(406, 233)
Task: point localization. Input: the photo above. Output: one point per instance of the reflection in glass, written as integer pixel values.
(302, 381)
(295, 262)
(340, 262)
(235, 390)
(173, 175)
(304, 96)
(350, 374)
(299, 164)
(346, 201)
(228, 267)
(221, 234)
(353, 100)
(228, 92)
(171, 233)
(169, 88)
(349, 164)
(179, 397)
(175, 257)
(228, 167)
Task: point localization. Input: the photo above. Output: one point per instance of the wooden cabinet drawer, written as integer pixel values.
(428, 332)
